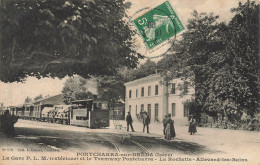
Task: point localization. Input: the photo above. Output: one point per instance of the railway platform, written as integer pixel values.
(216, 139)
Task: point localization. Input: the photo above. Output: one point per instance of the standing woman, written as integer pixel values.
(169, 131)
(192, 126)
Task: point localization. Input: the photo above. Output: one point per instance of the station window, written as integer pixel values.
(130, 108)
(118, 110)
(185, 87)
(136, 93)
(136, 112)
(156, 112)
(156, 89)
(130, 93)
(149, 110)
(173, 109)
(142, 108)
(142, 92)
(149, 90)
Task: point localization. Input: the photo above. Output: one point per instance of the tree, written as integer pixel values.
(27, 100)
(189, 60)
(76, 88)
(46, 38)
(233, 84)
(38, 97)
(145, 69)
(236, 83)
(111, 89)
(221, 62)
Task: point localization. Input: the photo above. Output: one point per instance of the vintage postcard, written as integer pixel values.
(129, 82)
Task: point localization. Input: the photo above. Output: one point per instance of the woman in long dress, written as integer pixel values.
(192, 126)
(169, 131)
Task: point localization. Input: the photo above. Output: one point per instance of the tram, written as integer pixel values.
(85, 114)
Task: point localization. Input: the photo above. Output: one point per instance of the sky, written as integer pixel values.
(15, 93)
(184, 8)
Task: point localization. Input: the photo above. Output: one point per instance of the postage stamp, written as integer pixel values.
(158, 25)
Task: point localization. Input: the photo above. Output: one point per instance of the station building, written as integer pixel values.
(157, 99)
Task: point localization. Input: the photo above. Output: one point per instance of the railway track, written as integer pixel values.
(113, 143)
(184, 149)
(141, 146)
(122, 144)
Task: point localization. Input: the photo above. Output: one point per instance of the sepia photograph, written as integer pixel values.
(129, 82)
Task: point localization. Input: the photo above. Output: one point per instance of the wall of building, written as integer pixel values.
(144, 100)
(164, 99)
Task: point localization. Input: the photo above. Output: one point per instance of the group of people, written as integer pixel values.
(146, 122)
(168, 125)
(7, 122)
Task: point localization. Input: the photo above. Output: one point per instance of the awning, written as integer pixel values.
(46, 110)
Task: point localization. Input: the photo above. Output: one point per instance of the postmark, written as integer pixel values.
(158, 26)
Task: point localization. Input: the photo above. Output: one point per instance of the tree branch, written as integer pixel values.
(62, 61)
(38, 52)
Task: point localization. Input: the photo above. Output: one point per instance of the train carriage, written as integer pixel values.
(37, 112)
(62, 114)
(20, 111)
(91, 113)
(45, 116)
(28, 112)
(84, 114)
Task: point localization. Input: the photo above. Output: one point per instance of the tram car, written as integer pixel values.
(28, 111)
(85, 114)
(20, 111)
(62, 114)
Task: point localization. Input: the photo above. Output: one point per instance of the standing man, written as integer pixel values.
(146, 121)
(164, 123)
(129, 121)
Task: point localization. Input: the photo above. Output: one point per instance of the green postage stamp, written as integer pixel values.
(158, 25)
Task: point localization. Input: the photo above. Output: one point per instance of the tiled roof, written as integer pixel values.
(153, 77)
(45, 98)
